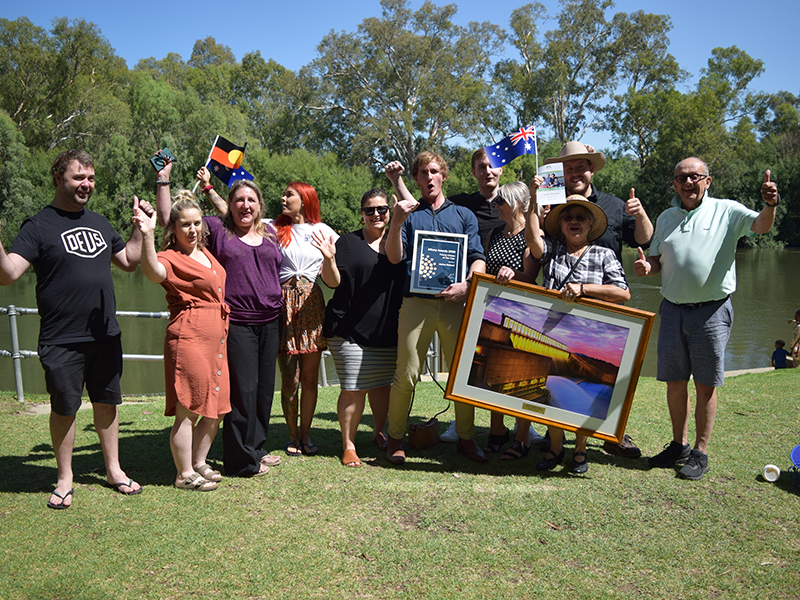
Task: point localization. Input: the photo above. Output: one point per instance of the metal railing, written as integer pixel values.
(17, 355)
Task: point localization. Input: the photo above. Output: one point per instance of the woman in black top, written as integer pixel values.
(361, 323)
(507, 258)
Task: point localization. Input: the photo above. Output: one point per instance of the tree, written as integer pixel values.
(407, 81)
(649, 74)
(569, 79)
(50, 81)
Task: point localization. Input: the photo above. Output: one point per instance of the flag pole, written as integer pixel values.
(206, 163)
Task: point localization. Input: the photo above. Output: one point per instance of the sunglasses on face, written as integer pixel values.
(370, 210)
(580, 218)
(499, 201)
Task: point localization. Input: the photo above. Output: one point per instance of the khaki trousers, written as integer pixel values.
(418, 320)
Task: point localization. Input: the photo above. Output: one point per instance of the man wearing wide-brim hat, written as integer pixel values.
(627, 221)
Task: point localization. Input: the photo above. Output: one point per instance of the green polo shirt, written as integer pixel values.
(697, 249)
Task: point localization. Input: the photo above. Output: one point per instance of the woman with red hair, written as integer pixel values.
(308, 249)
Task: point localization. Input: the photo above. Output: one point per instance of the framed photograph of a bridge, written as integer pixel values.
(525, 352)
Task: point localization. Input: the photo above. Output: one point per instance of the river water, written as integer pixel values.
(767, 296)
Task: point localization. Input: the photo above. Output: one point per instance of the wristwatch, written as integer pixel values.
(778, 201)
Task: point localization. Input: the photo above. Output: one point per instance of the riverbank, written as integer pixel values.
(440, 526)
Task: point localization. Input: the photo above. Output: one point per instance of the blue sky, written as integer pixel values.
(289, 32)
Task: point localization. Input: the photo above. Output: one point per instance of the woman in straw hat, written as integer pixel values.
(575, 267)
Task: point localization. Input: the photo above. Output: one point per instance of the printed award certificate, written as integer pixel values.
(438, 260)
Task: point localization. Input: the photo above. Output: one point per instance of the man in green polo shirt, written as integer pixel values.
(694, 249)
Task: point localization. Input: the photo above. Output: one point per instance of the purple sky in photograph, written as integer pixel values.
(582, 336)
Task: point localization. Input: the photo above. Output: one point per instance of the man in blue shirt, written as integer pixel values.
(694, 248)
(422, 315)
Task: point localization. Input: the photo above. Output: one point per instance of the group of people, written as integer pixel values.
(242, 292)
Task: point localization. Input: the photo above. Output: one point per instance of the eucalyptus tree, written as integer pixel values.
(406, 81)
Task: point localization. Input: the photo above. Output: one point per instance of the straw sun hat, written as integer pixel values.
(552, 223)
(577, 150)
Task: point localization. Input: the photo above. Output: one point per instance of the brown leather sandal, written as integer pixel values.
(350, 458)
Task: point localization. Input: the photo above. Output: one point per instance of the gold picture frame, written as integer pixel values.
(525, 352)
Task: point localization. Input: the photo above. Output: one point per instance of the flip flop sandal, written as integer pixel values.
(129, 483)
(292, 448)
(61, 506)
(309, 449)
(196, 482)
(208, 473)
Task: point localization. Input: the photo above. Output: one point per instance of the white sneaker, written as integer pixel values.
(533, 436)
(450, 434)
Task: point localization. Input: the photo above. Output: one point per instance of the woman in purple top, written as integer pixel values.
(248, 250)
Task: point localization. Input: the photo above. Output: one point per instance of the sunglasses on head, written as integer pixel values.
(370, 210)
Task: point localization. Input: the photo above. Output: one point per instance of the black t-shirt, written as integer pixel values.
(485, 211)
(71, 254)
(364, 307)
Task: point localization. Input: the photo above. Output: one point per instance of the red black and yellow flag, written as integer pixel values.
(225, 161)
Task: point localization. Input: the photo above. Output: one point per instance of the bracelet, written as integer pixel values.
(582, 292)
(159, 182)
(208, 187)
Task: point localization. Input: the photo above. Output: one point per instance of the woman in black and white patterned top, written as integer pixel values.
(507, 258)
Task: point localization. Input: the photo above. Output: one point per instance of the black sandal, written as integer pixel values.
(516, 451)
(496, 442)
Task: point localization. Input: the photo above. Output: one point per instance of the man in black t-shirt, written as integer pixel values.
(71, 250)
(482, 202)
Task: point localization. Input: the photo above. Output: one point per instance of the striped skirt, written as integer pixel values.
(362, 367)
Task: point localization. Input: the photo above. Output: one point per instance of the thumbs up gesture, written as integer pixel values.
(633, 206)
(769, 190)
(641, 265)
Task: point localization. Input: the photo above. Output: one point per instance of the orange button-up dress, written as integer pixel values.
(195, 347)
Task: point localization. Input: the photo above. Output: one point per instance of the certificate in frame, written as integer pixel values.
(438, 260)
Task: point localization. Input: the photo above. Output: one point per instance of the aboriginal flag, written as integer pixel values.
(522, 141)
(225, 161)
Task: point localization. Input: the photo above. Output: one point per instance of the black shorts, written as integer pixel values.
(68, 367)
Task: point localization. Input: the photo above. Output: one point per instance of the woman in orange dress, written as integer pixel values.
(195, 356)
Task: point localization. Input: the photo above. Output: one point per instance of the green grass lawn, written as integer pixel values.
(438, 527)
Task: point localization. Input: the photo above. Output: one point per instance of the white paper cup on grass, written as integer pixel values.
(771, 473)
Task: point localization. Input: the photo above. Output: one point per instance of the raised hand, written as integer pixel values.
(325, 245)
(633, 205)
(144, 221)
(402, 208)
(641, 265)
(394, 170)
(203, 176)
(769, 190)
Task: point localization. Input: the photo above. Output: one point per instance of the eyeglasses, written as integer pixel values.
(693, 178)
(499, 201)
(580, 218)
(370, 210)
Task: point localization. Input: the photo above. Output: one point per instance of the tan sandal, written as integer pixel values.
(270, 460)
(208, 473)
(196, 482)
(350, 458)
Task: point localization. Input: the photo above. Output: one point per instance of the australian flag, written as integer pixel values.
(225, 161)
(522, 141)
